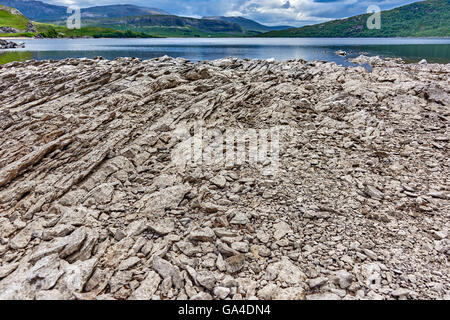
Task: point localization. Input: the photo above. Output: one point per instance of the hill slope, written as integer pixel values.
(248, 24)
(142, 19)
(170, 25)
(122, 10)
(36, 10)
(12, 20)
(13, 24)
(44, 12)
(133, 19)
(421, 19)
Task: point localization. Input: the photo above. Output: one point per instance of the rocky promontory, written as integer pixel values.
(4, 44)
(95, 204)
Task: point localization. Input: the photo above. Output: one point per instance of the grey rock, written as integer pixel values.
(148, 287)
(240, 246)
(373, 192)
(101, 196)
(206, 279)
(162, 227)
(323, 296)
(317, 282)
(221, 292)
(205, 234)
(235, 263)
(240, 218)
(167, 270)
(219, 181)
(343, 279)
(128, 263)
(401, 292)
(281, 229)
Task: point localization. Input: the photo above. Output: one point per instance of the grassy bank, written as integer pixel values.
(53, 31)
(56, 31)
(10, 17)
(7, 19)
(180, 32)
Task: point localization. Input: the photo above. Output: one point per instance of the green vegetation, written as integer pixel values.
(9, 19)
(19, 34)
(141, 20)
(51, 31)
(421, 19)
(179, 32)
(44, 12)
(55, 31)
(15, 56)
(106, 33)
(248, 25)
(171, 26)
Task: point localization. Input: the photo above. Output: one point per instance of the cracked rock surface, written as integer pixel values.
(93, 207)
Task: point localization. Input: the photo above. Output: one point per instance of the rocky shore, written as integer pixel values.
(4, 44)
(30, 28)
(93, 205)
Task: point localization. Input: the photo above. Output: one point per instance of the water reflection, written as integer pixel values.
(15, 56)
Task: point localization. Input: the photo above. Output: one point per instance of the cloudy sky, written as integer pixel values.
(270, 12)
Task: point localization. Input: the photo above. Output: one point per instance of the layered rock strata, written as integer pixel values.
(96, 204)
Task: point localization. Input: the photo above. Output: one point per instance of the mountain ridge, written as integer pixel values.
(14, 24)
(429, 18)
(45, 12)
(170, 24)
(142, 19)
(248, 24)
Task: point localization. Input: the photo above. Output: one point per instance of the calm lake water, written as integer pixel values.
(410, 49)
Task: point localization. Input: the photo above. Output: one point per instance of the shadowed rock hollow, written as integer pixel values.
(92, 205)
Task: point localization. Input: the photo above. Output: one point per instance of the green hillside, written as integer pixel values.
(18, 26)
(55, 31)
(170, 26)
(247, 24)
(420, 19)
(10, 17)
(45, 12)
(180, 32)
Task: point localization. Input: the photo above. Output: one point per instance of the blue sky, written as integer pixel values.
(270, 12)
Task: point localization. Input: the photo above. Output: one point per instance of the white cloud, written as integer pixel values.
(286, 12)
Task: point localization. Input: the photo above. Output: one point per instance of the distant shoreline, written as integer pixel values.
(253, 37)
(434, 50)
